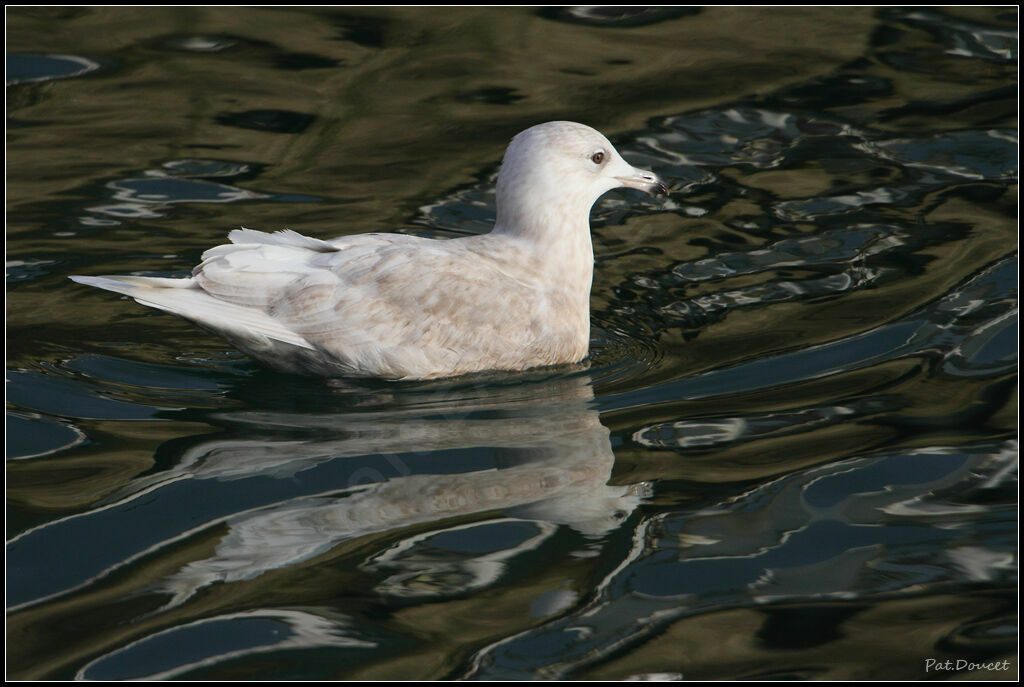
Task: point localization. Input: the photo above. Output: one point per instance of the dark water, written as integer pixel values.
(792, 454)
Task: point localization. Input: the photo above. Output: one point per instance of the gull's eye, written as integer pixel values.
(597, 158)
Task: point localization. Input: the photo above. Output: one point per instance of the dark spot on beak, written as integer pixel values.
(655, 185)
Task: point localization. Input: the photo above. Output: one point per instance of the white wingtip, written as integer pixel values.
(182, 297)
(106, 283)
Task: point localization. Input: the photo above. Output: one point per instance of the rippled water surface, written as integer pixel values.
(791, 454)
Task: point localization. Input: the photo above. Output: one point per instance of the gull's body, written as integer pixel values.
(402, 307)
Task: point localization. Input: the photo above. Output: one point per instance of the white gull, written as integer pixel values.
(397, 306)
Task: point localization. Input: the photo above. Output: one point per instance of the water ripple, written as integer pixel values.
(757, 546)
(27, 68)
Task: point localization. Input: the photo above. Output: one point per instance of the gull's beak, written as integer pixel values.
(642, 180)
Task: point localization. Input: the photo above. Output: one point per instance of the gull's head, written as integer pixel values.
(567, 165)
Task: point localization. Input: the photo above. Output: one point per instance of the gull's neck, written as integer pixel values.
(554, 229)
(546, 224)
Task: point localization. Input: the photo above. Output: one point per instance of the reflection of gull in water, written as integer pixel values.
(400, 306)
(550, 461)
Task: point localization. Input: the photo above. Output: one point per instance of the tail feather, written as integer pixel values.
(184, 298)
